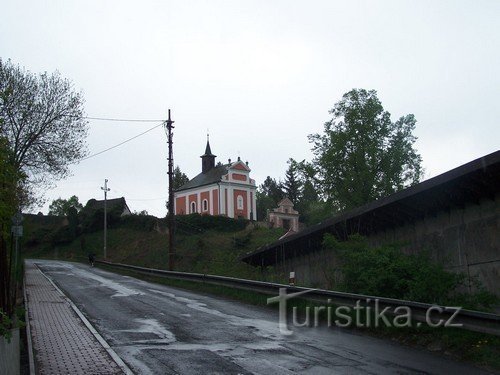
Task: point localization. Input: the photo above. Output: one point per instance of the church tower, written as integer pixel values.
(208, 159)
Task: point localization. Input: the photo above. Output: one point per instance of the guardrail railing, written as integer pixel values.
(471, 320)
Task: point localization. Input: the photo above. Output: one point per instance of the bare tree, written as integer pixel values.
(43, 121)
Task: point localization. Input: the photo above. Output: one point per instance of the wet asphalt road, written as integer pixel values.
(162, 330)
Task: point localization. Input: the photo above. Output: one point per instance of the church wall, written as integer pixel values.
(205, 195)
(240, 212)
(239, 177)
(193, 198)
(180, 206)
(215, 201)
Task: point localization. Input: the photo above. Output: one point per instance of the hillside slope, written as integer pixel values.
(203, 244)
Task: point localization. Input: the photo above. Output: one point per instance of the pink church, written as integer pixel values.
(222, 189)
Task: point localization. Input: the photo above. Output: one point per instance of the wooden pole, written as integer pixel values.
(171, 214)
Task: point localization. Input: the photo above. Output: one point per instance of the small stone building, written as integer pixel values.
(285, 216)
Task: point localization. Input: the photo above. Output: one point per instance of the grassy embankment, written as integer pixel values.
(200, 250)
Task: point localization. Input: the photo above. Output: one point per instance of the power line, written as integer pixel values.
(147, 199)
(119, 119)
(111, 119)
(121, 143)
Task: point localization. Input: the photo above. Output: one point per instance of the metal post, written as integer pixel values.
(106, 189)
(171, 217)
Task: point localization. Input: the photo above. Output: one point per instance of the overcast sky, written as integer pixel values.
(260, 75)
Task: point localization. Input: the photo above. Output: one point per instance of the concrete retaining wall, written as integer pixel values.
(462, 239)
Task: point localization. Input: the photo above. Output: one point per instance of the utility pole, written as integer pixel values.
(106, 189)
(171, 218)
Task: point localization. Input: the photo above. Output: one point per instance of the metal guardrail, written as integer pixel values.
(470, 320)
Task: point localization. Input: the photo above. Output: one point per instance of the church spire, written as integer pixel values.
(207, 159)
(207, 149)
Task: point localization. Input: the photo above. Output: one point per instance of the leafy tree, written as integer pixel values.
(264, 203)
(292, 185)
(362, 155)
(43, 123)
(179, 178)
(61, 207)
(9, 181)
(269, 193)
(273, 189)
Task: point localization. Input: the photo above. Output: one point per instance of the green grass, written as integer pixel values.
(210, 251)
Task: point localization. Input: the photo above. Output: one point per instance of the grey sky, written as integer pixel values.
(261, 75)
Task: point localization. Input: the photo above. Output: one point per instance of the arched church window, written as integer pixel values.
(239, 202)
(205, 205)
(193, 207)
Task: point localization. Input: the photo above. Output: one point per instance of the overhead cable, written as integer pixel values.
(121, 143)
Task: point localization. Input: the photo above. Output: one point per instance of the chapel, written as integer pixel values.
(219, 189)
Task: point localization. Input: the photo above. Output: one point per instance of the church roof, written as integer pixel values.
(285, 202)
(208, 151)
(212, 176)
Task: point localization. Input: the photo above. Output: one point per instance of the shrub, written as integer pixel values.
(139, 222)
(196, 223)
(388, 272)
(63, 235)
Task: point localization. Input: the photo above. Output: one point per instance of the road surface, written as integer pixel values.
(157, 329)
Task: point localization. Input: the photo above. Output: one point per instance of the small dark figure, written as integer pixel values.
(91, 259)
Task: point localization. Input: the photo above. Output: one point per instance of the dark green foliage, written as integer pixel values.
(67, 233)
(243, 241)
(61, 207)
(264, 204)
(269, 193)
(312, 208)
(292, 185)
(316, 212)
(362, 155)
(196, 223)
(388, 272)
(10, 179)
(273, 189)
(179, 177)
(92, 219)
(64, 235)
(139, 222)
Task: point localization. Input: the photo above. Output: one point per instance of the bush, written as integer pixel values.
(63, 235)
(388, 272)
(243, 241)
(139, 222)
(196, 223)
(93, 220)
